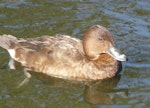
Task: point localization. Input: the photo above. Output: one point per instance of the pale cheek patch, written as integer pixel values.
(12, 53)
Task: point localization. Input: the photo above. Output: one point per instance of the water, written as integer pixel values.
(129, 22)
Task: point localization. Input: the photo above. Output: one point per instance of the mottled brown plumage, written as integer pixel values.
(66, 57)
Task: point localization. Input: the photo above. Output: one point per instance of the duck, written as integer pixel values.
(95, 57)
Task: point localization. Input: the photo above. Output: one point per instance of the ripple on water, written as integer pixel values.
(15, 4)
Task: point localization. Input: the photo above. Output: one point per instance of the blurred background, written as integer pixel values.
(128, 21)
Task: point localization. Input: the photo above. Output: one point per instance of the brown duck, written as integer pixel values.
(93, 58)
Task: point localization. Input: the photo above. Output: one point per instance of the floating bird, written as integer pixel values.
(92, 58)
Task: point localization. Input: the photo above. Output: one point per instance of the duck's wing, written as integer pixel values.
(60, 48)
(57, 47)
(66, 49)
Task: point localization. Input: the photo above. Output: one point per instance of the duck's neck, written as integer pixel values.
(105, 58)
(107, 63)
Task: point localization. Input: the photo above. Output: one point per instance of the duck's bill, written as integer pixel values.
(115, 53)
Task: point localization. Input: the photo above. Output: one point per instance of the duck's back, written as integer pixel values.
(59, 48)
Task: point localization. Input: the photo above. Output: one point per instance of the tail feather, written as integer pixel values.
(8, 41)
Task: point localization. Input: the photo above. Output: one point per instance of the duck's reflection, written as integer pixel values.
(103, 91)
(97, 92)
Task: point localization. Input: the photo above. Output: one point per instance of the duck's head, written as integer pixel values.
(98, 40)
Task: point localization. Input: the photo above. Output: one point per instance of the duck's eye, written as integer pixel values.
(100, 39)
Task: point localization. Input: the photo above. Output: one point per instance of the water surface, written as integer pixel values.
(128, 21)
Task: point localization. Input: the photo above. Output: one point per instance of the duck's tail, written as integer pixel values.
(8, 41)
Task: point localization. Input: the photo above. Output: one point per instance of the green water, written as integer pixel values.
(128, 21)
